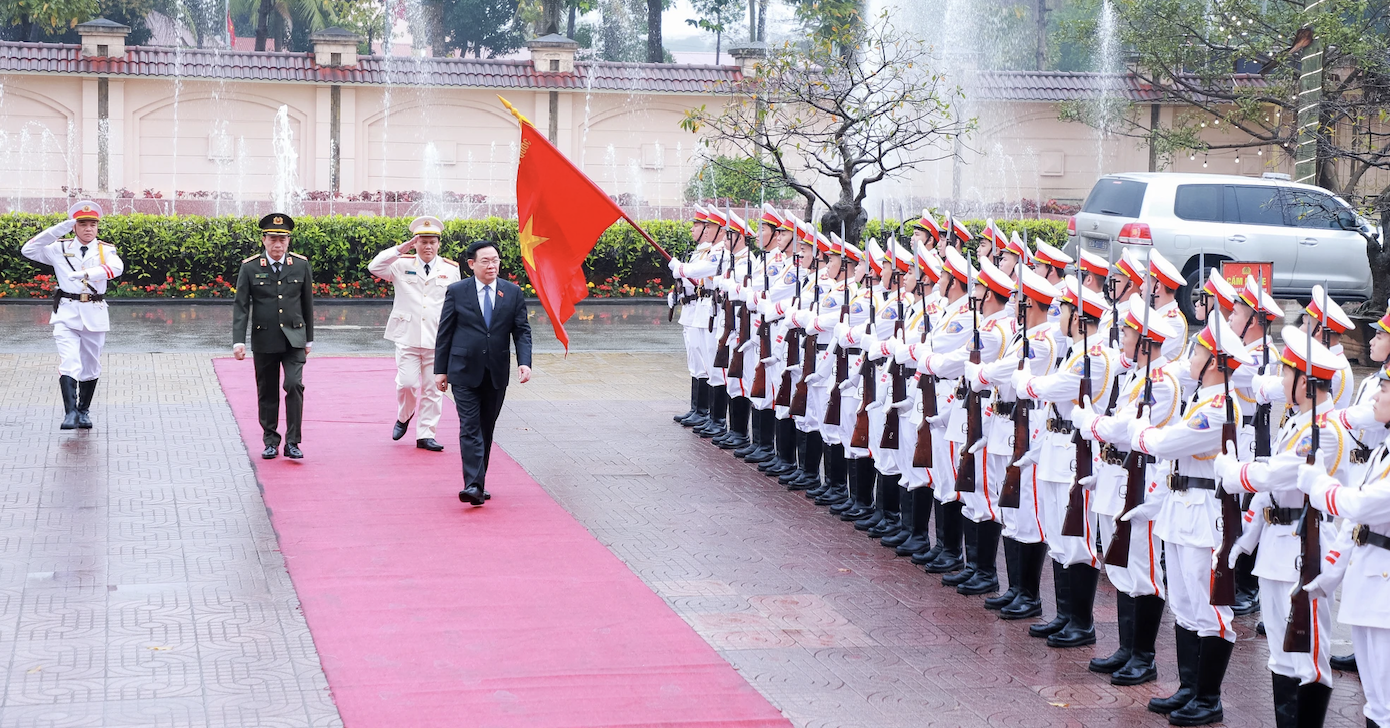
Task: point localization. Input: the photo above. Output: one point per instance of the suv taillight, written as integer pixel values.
(1136, 233)
(1071, 226)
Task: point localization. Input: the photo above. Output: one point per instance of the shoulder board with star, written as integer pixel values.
(248, 260)
(1097, 350)
(297, 255)
(1218, 401)
(409, 256)
(454, 263)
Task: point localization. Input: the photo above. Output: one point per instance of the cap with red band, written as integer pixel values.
(929, 263)
(1127, 266)
(701, 215)
(1259, 299)
(1164, 271)
(996, 280)
(1334, 317)
(771, 216)
(1037, 288)
(928, 223)
(1158, 329)
(85, 210)
(1094, 264)
(1016, 246)
(1231, 346)
(957, 265)
(1052, 256)
(1218, 287)
(1295, 354)
(850, 251)
(1383, 324)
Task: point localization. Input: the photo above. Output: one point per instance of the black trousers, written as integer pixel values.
(268, 366)
(478, 408)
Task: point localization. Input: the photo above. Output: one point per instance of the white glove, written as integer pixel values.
(1028, 458)
(877, 351)
(902, 404)
(1088, 482)
(61, 229)
(903, 354)
(850, 383)
(308, 347)
(1136, 426)
(1319, 588)
(795, 371)
(674, 264)
(814, 378)
(745, 346)
(1239, 548)
(841, 331)
(1019, 380)
(1082, 417)
(769, 361)
(1143, 512)
(940, 420)
(979, 445)
(1309, 476)
(671, 299)
(1227, 467)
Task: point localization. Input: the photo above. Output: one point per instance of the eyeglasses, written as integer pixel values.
(487, 262)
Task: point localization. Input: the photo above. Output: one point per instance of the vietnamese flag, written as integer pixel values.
(560, 213)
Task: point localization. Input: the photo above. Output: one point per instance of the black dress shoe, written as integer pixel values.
(428, 443)
(1345, 664)
(293, 452)
(472, 495)
(269, 452)
(398, 431)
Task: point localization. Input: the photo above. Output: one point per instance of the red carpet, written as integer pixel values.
(427, 612)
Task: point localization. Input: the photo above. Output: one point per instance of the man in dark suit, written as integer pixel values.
(481, 318)
(275, 290)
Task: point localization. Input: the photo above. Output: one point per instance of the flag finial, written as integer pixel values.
(515, 113)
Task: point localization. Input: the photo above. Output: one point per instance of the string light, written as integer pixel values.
(1204, 161)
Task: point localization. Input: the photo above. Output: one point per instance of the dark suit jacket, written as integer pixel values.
(465, 347)
(280, 306)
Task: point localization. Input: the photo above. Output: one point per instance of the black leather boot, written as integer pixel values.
(1345, 663)
(877, 513)
(865, 480)
(85, 390)
(1148, 615)
(783, 447)
(718, 422)
(1081, 629)
(919, 523)
(890, 497)
(1286, 695)
(931, 554)
(836, 488)
(1061, 589)
(1189, 653)
(68, 386)
(904, 530)
(852, 489)
(1124, 615)
(986, 577)
(798, 458)
(1011, 567)
(767, 437)
(1028, 603)
(951, 557)
(970, 533)
(1214, 656)
(694, 396)
(814, 455)
(755, 434)
(737, 436)
(702, 400)
(1312, 704)
(1247, 586)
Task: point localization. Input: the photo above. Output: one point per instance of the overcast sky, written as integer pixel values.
(678, 35)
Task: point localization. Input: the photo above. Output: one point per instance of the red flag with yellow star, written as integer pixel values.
(561, 214)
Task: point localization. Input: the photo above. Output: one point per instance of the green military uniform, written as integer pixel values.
(277, 298)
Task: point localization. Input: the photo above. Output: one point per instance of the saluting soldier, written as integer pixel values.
(81, 266)
(275, 294)
(420, 281)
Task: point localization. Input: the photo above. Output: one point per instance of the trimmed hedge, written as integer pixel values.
(197, 257)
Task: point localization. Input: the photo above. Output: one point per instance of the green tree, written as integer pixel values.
(365, 18)
(832, 117)
(715, 16)
(482, 27)
(280, 19)
(740, 179)
(33, 19)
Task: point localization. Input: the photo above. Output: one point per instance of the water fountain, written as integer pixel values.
(285, 194)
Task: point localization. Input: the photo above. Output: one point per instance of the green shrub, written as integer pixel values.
(191, 256)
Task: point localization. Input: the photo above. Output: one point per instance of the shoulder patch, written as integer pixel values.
(248, 260)
(297, 255)
(955, 327)
(454, 263)
(1199, 421)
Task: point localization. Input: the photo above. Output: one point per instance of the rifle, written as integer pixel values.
(1074, 523)
(784, 391)
(1136, 463)
(721, 357)
(764, 345)
(891, 423)
(1264, 411)
(745, 320)
(926, 384)
(833, 407)
(1298, 635)
(1223, 577)
(974, 422)
(1011, 495)
(808, 348)
(714, 296)
(860, 437)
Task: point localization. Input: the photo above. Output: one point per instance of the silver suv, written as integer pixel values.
(1310, 235)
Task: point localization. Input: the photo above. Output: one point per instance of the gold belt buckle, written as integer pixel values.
(1269, 515)
(1175, 483)
(1358, 534)
(84, 297)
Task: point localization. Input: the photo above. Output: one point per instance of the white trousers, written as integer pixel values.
(1143, 575)
(416, 395)
(1274, 608)
(983, 504)
(1373, 663)
(695, 359)
(1024, 523)
(79, 352)
(1189, 593)
(1065, 550)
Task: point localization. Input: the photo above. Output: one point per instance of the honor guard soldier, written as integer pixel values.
(420, 278)
(1359, 560)
(690, 296)
(1189, 523)
(275, 295)
(1302, 681)
(81, 267)
(1326, 321)
(1134, 564)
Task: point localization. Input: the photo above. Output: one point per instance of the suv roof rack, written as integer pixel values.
(1281, 176)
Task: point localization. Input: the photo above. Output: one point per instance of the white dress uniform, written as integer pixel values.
(414, 323)
(1359, 561)
(79, 326)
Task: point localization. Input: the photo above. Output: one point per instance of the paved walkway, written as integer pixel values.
(140, 585)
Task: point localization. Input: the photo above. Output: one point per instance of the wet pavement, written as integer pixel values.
(340, 328)
(140, 582)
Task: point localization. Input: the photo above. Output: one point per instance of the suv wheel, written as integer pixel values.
(1187, 295)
